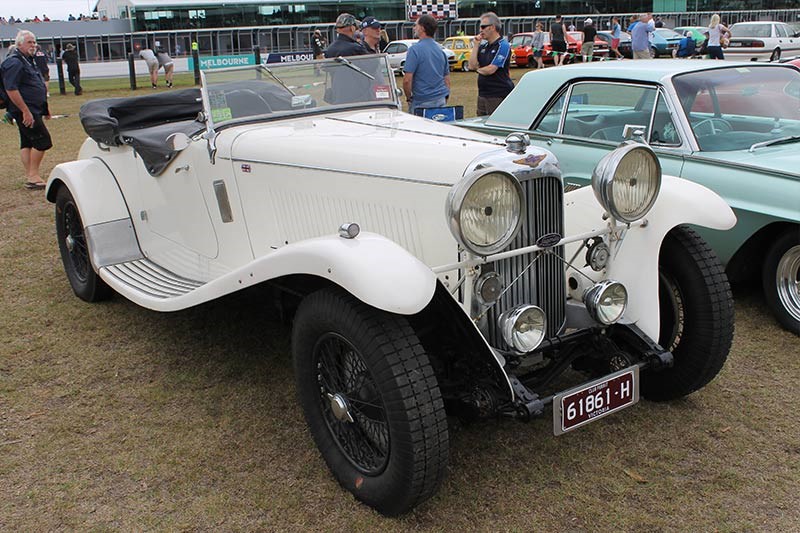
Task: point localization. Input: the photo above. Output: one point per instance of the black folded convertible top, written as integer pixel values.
(144, 122)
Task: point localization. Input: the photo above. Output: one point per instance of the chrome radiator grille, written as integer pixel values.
(543, 284)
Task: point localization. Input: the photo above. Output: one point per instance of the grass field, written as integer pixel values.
(113, 417)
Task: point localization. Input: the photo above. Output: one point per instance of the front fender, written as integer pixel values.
(635, 260)
(371, 267)
(93, 188)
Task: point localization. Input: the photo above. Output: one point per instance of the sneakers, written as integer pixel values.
(155, 86)
(169, 84)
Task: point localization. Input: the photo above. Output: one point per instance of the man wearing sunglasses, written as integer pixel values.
(490, 56)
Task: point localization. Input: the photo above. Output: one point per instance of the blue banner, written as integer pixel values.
(212, 62)
(289, 57)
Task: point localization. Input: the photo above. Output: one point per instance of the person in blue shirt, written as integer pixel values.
(686, 46)
(616, 33)
(490, 56)
(640, 37)
(426, 74)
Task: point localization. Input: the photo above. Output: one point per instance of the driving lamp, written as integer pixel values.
(523, 327)
(626, 181)
(484, 211)
(606, 301)
(488, 288)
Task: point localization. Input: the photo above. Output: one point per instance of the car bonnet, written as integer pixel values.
(386, 142)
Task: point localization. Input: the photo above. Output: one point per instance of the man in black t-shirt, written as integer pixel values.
(589, 33)
(490, 56)
(345, 87)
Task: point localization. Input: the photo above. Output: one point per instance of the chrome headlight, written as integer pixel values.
(484, 210)
(626, 181)
(606, 301)
(523, 327)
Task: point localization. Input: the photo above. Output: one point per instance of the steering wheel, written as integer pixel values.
(714, 125)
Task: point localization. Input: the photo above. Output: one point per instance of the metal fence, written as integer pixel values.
(224, 41)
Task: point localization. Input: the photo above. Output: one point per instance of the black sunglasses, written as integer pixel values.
(484, 26)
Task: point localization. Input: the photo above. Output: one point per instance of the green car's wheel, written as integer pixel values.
(781, 280)
(696, 308)
(371, 400)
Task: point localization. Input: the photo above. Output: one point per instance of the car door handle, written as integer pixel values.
(184, 167)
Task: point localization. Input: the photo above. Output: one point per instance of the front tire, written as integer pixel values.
(371, 400)
(464, 66)
(653, 52)
(85, 282)
(697, 319)
(781, 280)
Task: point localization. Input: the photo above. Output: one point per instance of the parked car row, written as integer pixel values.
(397, 50)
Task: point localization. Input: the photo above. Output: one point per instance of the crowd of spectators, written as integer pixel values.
(44, 18)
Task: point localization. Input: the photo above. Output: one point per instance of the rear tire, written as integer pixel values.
(696, 316)
(371, 400)
(781, 280)
(85, 282)
(464, 66)
(776, 55)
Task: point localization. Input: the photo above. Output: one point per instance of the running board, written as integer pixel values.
(150, 280)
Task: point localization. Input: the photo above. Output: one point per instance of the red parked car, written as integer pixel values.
(522, 51)
(600, 45)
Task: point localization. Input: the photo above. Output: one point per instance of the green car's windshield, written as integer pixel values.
(242, 94)
(737, 107)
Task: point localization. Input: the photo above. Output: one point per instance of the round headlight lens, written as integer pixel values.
(523, 327)
(485, 211)
(627, 181)
(606, 301)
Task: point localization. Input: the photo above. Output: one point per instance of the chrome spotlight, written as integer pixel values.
(523, 327)
(488, 288)
(606, 301)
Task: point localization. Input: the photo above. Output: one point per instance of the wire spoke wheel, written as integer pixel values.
(371, 400)
(787, 281)
(352, 407)
(76, 241)
(74, 248)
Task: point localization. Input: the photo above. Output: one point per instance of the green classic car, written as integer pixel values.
(733, 127)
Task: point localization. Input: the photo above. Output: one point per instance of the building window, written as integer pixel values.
(155, 15)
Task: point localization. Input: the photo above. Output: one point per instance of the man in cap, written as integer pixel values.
(589, 33)
(426, 74)
(345, 44)
(318, 45)
(371, 28)
(70, 58)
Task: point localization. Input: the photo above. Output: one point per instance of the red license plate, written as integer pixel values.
(594, 400)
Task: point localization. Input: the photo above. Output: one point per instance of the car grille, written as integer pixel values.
(543, 284)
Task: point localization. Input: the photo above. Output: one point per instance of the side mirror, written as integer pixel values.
(179, 141)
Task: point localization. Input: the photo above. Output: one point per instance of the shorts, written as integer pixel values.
(164, 60)
(587, 49)
(36, 137)
(614, 43)
(559, 46)
(152, 65)
(537, 53)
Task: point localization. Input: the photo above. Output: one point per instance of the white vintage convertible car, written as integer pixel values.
(428, 269)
